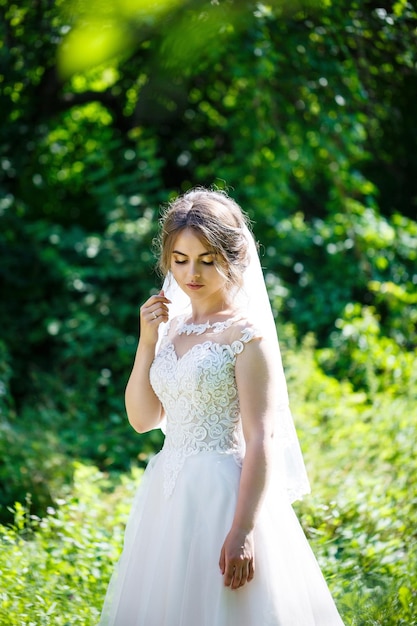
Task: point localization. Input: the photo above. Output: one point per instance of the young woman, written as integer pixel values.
(212, 539)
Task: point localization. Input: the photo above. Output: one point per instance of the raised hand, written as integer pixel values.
(152, 313)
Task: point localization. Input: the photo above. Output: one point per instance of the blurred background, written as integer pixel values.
(305, 111)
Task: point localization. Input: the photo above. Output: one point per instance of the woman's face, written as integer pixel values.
(193, 267)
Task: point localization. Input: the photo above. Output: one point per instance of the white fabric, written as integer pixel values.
(253, 301)
(208, 418)
(168, 574)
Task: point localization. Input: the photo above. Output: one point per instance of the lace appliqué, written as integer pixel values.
(199, 395)
(200, 329)
(247, 335)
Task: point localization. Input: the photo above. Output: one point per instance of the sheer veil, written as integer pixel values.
(252, 298)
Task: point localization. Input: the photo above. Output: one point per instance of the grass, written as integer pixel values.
(361, 518)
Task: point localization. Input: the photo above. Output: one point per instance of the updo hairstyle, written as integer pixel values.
(217, 221)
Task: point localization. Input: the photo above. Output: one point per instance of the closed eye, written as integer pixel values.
(177, 262)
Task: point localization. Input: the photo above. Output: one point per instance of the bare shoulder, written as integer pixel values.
(254, 371)
(245, 330)
(254, 354)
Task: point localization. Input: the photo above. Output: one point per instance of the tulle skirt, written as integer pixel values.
(168, 574)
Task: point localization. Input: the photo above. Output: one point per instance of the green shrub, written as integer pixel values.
(360, 518)
(362, 514)
(55, 570)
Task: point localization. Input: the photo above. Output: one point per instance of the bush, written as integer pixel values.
(55, 570)
(362, 515)
(360, 518)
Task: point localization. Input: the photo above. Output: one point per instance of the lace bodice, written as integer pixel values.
(198, 392)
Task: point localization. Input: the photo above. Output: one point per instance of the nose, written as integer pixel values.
(194, 272)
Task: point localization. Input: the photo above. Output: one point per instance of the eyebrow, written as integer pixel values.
(200, 255)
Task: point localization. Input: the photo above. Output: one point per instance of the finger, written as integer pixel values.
(159, 305)
(162, 297)
(156, 300)
(156, 305)
(152, 307)
(251, 570)
(244, 574)
(228, 576)
(222, 561)
(159, 311)
(240, 576)
(237, 578)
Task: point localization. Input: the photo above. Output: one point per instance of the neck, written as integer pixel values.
(201, 314)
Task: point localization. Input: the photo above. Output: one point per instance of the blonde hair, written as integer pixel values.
(219, 223)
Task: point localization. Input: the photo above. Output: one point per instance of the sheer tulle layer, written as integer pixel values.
(169, 575)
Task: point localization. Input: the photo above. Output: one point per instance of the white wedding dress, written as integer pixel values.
(168, 574)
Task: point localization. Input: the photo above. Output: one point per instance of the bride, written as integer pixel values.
(212, 539)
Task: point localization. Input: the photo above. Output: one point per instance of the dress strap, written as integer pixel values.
(246, 335)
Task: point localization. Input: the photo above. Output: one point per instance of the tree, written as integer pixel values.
(302, 109)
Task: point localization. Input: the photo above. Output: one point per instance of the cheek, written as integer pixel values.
(221, 274)
(175, 269)
(219, 281)
(178, 271)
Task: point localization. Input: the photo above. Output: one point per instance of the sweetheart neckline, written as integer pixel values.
(208, 342)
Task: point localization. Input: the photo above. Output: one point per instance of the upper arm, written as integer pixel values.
(254, 379)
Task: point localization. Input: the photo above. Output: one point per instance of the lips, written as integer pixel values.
(194, 286)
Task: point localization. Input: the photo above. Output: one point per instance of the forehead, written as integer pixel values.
(188, 242)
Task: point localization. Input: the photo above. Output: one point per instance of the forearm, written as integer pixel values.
(253, 483)
(237, 553)
(143, 408)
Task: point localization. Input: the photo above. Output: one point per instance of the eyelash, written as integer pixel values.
(203, 262)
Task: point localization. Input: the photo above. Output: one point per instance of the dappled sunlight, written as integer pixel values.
(305, 111)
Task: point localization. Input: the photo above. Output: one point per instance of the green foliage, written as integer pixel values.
(370, 359)
(32, 465)
(358, 256)
(6, 401)
(305, 111)
(55, 570)
(360, 519)
(70, 301)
